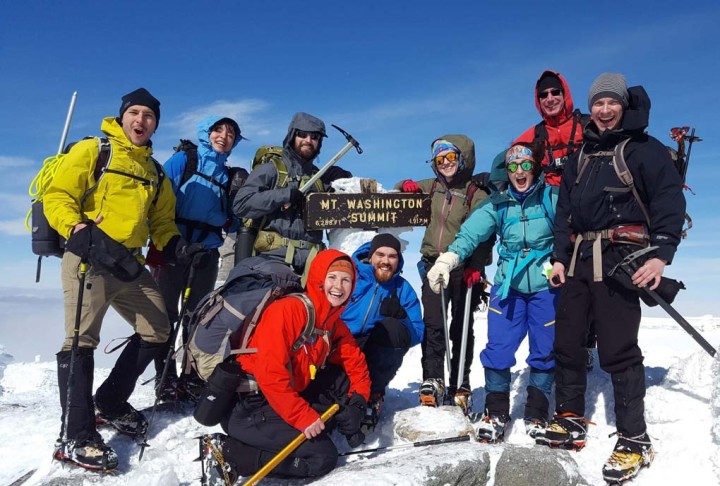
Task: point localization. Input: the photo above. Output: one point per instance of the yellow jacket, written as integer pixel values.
(126, 204)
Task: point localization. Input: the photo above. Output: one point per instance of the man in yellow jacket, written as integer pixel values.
(130, 202)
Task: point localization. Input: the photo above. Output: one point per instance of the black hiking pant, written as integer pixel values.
(615, 312)
(433, 343)
(257, 433)
(384, 348)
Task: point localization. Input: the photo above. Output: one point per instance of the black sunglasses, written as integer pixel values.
(312, 135)
(545, 94)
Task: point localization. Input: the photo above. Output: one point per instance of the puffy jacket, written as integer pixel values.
(282, 373)
(363, 310)
(599, 200)
(525, 237)
(198, 199)
(448, 208)
(561, 130)
(129, 214)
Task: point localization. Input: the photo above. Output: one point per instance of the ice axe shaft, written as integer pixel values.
(351, 142)
(294, 444)
(422, 443)
(625, 266)
(68, 119)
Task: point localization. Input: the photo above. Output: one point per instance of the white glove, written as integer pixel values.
(439, 274)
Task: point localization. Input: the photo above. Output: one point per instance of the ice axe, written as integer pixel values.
(351, 142)
(447, 440)
(626, 265)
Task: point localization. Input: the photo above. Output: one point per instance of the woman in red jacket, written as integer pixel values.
(296, 385)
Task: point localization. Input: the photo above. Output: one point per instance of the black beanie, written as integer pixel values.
(141, 97)
(384, 239)
(549, 81)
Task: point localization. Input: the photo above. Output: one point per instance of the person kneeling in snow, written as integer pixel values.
(383, 314)
(296, 384)
(521, 300)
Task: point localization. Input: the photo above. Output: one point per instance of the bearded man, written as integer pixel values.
(383, 314)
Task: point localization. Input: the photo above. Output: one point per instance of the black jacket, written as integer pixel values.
(590, 204)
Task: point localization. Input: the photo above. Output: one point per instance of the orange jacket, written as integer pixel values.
(282, 373)
(559, 129)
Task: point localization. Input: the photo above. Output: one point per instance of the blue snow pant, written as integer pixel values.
(509, 321)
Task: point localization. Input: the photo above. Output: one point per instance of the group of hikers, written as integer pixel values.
(552, 203)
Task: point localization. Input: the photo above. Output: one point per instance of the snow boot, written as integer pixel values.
(491, 428)
(535, 429)
(215, 470)
(567, 431)
(90, 454)
(432, 392)
(629, 456)
(372, 412)
(463, 399)
(125, 420)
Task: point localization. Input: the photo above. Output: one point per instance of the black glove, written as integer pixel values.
(350, 417)
(355, 439)
(390, 307)
(187, 253)
(296, 196)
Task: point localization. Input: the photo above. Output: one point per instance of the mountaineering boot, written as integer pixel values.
(90, 454)
(432, 392)
(215, 470)
(372, 412)
(463, 399)
(491, 428)
(567, 431)
(629, 456)
(535, 429)
(125, 419)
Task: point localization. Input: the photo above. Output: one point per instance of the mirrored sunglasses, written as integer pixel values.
(525, 165)
(545, 94)
(313, 135)
(448, 158)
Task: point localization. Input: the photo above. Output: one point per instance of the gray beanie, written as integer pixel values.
(609, 85)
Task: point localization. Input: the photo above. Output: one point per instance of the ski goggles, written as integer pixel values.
(525, 165)
(448, 158)
(545, 94)
(313, 135)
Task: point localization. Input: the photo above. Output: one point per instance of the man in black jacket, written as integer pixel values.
(593, 207)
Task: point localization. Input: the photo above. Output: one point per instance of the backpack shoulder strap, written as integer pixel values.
(309, 329)
(625, 176)
(161, 177)
(101, 166)
(191, 160)
(282, 178)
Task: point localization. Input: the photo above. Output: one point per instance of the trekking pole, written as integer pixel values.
(463, 342)
(351, 142)
(422, 443)
(75, 346)
(625, 265)
(68, 119)
(445, 328)
(173, 337)
(294, 444)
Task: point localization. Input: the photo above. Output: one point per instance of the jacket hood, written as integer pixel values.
(306, 123)
(113, 129)
(316, 282)
(467, 149)
(567, 96)
(362, 254)
(635, 119)
(205, 149)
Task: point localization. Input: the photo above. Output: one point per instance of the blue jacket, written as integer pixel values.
(363, 310)
(199, 199)
(525, 237)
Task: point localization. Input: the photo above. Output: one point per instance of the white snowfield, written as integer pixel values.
(682, 410)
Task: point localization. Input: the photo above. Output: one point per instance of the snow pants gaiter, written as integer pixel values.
(81, 413)
(117, 388)
(257, 433)
(384, 348)
(433, 343)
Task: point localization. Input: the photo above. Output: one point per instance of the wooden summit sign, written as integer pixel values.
(366, 211)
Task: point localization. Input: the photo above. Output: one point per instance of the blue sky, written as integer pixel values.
(394, 74)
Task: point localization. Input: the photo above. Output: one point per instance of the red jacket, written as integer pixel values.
(559, 129)
(282, 373)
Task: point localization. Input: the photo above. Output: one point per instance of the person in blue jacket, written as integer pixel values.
(203, 215)
(522, 301)
(383, 314)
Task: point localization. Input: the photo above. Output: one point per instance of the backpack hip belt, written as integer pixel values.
(622, 234)
(272, 240)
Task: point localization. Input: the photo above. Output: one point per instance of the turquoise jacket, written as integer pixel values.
(525, 237)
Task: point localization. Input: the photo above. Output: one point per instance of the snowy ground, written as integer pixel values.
(681, 408)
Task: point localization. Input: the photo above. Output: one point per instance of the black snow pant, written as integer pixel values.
(433, 343)
(384, 348)
(615, 312)
(257, 433)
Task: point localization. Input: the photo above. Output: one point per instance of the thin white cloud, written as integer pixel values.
(8, 162)
(13, 227)
(247, 113)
